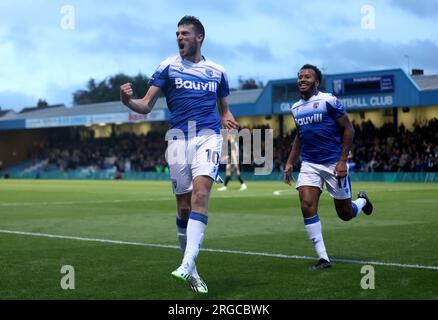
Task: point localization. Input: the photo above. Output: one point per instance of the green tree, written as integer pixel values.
(247, 84)
(109, 88)
(42, 103)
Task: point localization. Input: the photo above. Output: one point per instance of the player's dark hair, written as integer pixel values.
(314, 68)
(199, 28)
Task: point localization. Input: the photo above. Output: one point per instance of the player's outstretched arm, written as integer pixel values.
(227, 117)
(143, 106)
(293, 156)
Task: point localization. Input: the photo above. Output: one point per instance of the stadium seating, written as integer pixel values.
(374, 150)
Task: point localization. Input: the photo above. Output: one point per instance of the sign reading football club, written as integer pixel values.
(352, 103)
(367, 102)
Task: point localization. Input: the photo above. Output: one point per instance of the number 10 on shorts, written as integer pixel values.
(212, 156)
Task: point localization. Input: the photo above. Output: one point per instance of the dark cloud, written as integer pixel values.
(198, 7)
(18, 34)
(124, 36)
(259, 53)
(419, 8)
(218, 52)
(58, 94)
(297, 13)
(244, 51)
(358, 55)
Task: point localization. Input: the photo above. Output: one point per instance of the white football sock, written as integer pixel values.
(358, 204)
(181, 227)
(314, 232)
(195, 235)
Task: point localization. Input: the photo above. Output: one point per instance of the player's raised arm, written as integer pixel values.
(227, 117)
(143, 106)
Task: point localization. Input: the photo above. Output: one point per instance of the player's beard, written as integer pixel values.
(308, 91)
(306, 88)
(190, 49)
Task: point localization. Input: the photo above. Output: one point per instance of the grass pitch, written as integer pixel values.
(255, 245)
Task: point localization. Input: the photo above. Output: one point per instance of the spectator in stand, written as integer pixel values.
(4, 172)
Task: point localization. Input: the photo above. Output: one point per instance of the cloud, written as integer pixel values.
(257, 53)
(16, 100)
(122, 33)
(318, 13)
(362, 55)
(58, 94)
(18, 34)
(203, 9)
(419, 8)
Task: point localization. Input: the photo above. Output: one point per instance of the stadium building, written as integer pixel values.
(380, 97)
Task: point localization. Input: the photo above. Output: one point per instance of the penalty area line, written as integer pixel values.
(247, 253)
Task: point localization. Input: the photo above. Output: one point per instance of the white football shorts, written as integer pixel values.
(189, 158)
(312, 174)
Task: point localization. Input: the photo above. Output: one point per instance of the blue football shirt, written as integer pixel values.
(320, 135)
(191, 91)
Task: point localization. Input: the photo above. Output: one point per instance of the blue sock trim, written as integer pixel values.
(200, 217)
(355, 208)
(181, 223)
(311, 220)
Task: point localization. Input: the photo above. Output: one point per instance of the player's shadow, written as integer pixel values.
(234, 288)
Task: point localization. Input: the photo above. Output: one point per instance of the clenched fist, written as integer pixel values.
(126, 92)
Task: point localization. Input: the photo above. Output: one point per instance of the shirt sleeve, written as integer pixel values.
(223, 90)
(335, 108)
(161, 76)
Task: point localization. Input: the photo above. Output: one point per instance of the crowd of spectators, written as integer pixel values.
(123, 153)
(385, 149)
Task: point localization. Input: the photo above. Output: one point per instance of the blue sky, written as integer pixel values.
(262, 39)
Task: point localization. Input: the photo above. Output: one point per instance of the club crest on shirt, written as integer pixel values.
(316, 105)
(209, 72)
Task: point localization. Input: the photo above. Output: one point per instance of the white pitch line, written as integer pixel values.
(17, 204)
(61, 203)
(279, 192)
(248, 253)
(241, 195)
(56, 236)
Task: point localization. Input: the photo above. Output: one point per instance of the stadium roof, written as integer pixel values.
(6, 114)
(244, 96)
(31, 109)
(83, 109)
(356, 91)
(235, 97)
(426, 82)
